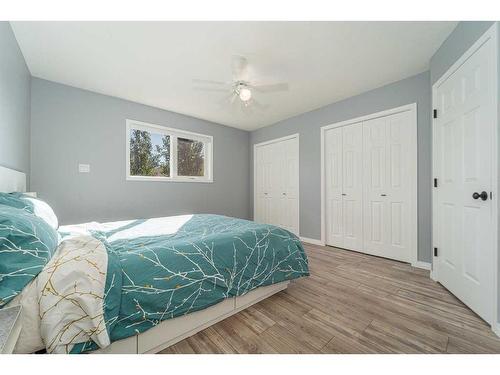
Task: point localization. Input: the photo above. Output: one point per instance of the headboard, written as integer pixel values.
(11, 180)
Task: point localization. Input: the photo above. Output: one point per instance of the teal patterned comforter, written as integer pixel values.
(156, 273)
(27, 243)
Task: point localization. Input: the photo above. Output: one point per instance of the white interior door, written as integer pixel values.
(387, 181)
(399, 167)
(352, 186)
(375, 186)
(344, 186)
(264, 184)
(259, 185)
(463, 164)
(276, 156)
(277, 184)
(289, 193)
(333, 187)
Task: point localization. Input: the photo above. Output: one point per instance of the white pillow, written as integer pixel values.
(43, 211)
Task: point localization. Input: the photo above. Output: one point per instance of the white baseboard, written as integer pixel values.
(312, 241)
(422, 265)
(496, 328)
(433, 276)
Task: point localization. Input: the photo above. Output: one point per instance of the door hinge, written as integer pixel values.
(435, 251)
(435, 113)
(436, 182)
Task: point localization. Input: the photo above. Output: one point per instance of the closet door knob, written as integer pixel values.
(383, 195)
(283, 193)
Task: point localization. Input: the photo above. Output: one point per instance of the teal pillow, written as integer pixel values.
(32, 205)
(27, 243)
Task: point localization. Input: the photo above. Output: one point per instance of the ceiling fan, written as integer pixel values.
(241, 89)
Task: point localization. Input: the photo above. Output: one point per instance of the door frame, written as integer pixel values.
(490, 34)
(265, 143)
(412, 108)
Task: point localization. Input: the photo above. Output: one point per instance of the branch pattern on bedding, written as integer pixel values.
(201, 261)
(27, 243)
(71, 295)
(30, 205)
(156, 269)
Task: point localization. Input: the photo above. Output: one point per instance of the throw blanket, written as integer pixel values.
(71, 290)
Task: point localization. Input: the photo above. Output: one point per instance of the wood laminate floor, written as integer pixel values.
(351, 303)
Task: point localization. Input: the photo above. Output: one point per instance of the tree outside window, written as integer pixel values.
(150, 155)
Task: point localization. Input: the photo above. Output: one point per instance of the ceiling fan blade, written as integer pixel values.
(233, 97)
(227, 99)
(239, 66)
(209, 82)
(245, 107)
(259, 105)
(275, 87)
(250, 108)
(213, 89)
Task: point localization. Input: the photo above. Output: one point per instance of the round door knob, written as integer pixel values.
(483, 195)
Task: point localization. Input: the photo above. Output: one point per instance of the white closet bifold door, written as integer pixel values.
(277, 184)
(264, 184)
(289, 185)
(387, 205)
(368, 185)
(333, 188)
(374, 158)
(344, 187)
(352, 186)
(259, 190)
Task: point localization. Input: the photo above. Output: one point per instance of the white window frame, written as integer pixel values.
(174, 134)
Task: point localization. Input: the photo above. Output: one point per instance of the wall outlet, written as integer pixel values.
(84, 168)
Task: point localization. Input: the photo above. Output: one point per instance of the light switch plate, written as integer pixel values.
(84, 168)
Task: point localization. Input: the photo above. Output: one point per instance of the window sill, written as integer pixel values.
(169, 179)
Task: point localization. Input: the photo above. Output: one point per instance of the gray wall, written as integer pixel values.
(71, 126)
(459, 41)
(415, 89)
(14, 103)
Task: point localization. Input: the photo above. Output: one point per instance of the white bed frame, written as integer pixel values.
(169, 331)
(174, 330)
(11, 180)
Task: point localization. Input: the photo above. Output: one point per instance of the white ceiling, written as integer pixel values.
(154, 63)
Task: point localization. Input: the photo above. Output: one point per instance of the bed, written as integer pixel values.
(139, 286)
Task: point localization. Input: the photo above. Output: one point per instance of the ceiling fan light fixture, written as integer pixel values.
(245, 94)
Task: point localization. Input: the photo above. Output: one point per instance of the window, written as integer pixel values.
(157, 153)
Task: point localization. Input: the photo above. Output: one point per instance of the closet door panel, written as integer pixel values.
(387, 221)
(352, 186)
(398, 189)
(276, 204)
(290, 189)
(259, 185)
(333, 187)
(375, 208)
(268, 155)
